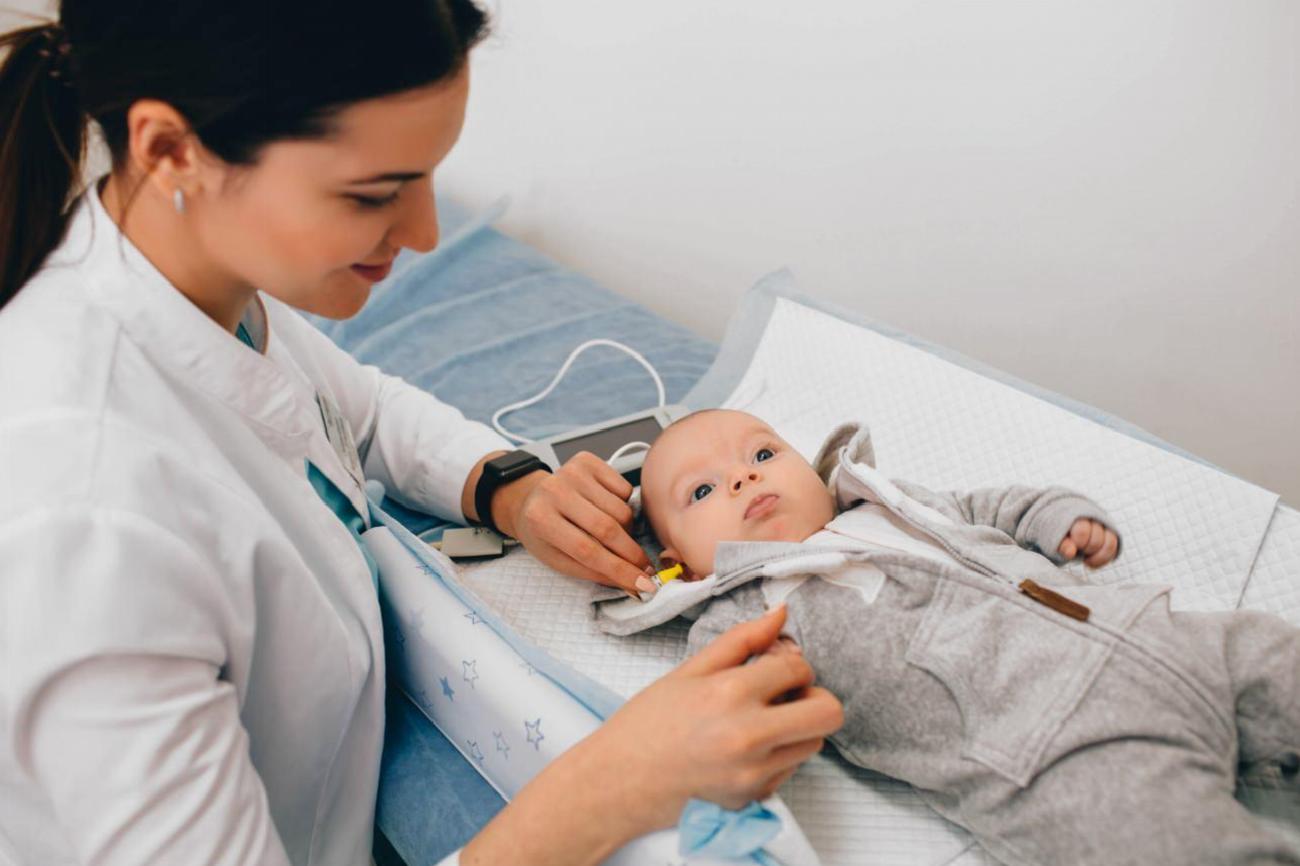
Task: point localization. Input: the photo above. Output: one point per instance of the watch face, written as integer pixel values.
(507, 464)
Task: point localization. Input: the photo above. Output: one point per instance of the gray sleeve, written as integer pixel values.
(740, 605)
(1038, 518)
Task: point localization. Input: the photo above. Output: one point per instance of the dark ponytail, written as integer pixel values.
(243, 73)
(42, 140)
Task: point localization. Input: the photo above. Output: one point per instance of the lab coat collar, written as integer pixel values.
(175, 333)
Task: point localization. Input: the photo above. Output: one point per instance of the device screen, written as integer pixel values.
(605, 442)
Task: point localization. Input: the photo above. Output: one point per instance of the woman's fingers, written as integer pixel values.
(772, 675)
(1068, 548)
(599, 496)
(774, 771)
(774, 784)
(575, 521)
(607, 535)
(785, 760)
(565, 564)
(602, 472)
(735, 645)
(783, 645)
(573, 551)
(818, 714)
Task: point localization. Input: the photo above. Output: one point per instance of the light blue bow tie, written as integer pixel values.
(709, 829)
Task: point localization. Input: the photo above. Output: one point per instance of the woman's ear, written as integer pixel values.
(163, 148)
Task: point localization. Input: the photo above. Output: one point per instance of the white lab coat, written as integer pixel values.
(192, 665)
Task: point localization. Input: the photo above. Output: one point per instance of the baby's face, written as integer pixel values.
(726, 476)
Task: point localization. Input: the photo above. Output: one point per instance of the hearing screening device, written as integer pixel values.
(620, 442)
(608, 438)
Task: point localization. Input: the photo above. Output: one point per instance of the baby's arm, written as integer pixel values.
(1055, 521)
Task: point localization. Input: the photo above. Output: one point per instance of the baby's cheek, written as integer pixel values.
(701, 563)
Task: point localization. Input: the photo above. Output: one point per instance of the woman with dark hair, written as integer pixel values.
(193, 664)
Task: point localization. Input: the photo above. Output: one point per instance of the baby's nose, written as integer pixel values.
(750, 476)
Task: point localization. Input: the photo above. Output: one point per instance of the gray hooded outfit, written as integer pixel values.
(1076, 724)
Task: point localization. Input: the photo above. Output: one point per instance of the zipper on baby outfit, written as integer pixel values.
(1037, 592)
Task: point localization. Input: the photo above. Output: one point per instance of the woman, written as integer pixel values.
(192, 648)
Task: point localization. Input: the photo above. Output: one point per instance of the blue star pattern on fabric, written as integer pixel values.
(447, 689)
(502, 747)
(469, 673)
(534, 733)
(474, 751)
(473, 617)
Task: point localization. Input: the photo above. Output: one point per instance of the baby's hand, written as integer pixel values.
(1092, 540)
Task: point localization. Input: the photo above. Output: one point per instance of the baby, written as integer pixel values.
(1058, 722)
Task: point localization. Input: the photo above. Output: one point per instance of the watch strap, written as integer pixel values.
(497, 473)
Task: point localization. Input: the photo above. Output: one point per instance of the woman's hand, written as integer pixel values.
(575, 521)
(714, 728)
(719, 729)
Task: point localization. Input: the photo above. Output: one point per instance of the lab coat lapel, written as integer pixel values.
(177, 335)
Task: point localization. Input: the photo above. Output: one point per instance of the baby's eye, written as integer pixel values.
(764, 454)
(700, 492)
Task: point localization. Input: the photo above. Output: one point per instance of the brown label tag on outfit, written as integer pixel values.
(1055, 600)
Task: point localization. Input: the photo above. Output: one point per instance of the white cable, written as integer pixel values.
(640, 446)
(636, 356)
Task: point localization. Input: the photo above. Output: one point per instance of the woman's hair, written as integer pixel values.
(243, 73)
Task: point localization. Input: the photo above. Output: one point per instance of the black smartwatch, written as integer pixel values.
(497, 473)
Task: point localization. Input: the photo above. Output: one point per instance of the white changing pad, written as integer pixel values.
(1275, 582)
(934, 421)
(946, 427)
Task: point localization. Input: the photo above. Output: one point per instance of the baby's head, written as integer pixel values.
(722, 475)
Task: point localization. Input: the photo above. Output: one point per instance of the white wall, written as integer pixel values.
(1100, 197)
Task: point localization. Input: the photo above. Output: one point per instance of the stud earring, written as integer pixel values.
(178, 200)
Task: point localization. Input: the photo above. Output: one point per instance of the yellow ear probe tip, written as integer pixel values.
(667, 574)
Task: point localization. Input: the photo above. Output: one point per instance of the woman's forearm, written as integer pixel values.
(577, 811)
(710, 728)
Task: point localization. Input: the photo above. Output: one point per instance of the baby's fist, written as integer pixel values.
(1091, 540)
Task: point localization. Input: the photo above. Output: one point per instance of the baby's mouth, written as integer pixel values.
(761, 505)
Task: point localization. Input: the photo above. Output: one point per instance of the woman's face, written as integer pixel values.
(316, 223)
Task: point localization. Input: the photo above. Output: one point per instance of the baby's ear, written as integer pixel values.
(669, 558)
